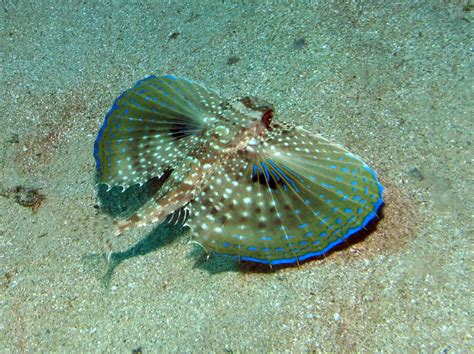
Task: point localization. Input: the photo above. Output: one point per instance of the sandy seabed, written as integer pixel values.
(392, 82)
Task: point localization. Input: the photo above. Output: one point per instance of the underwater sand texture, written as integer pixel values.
(391, 82)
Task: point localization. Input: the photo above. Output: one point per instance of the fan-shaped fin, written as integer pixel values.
(292, 197)
(152, 127)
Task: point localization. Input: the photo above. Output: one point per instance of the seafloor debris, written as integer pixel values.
(416, 174)
(173, 35)
(300, 43)
(232, 60)
(25, 196)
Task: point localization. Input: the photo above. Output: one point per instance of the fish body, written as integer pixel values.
(257, 188)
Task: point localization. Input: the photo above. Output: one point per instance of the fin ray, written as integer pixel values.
(150, 128)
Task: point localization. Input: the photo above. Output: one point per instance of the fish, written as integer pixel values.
(248, 184)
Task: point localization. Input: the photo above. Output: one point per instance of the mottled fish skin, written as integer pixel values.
(258, 189)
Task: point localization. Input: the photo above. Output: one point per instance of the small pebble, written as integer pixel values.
(300, 43)
(416, 174)
(174, 35)
(233, 60)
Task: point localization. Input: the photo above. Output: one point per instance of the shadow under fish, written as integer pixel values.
(161, 236)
